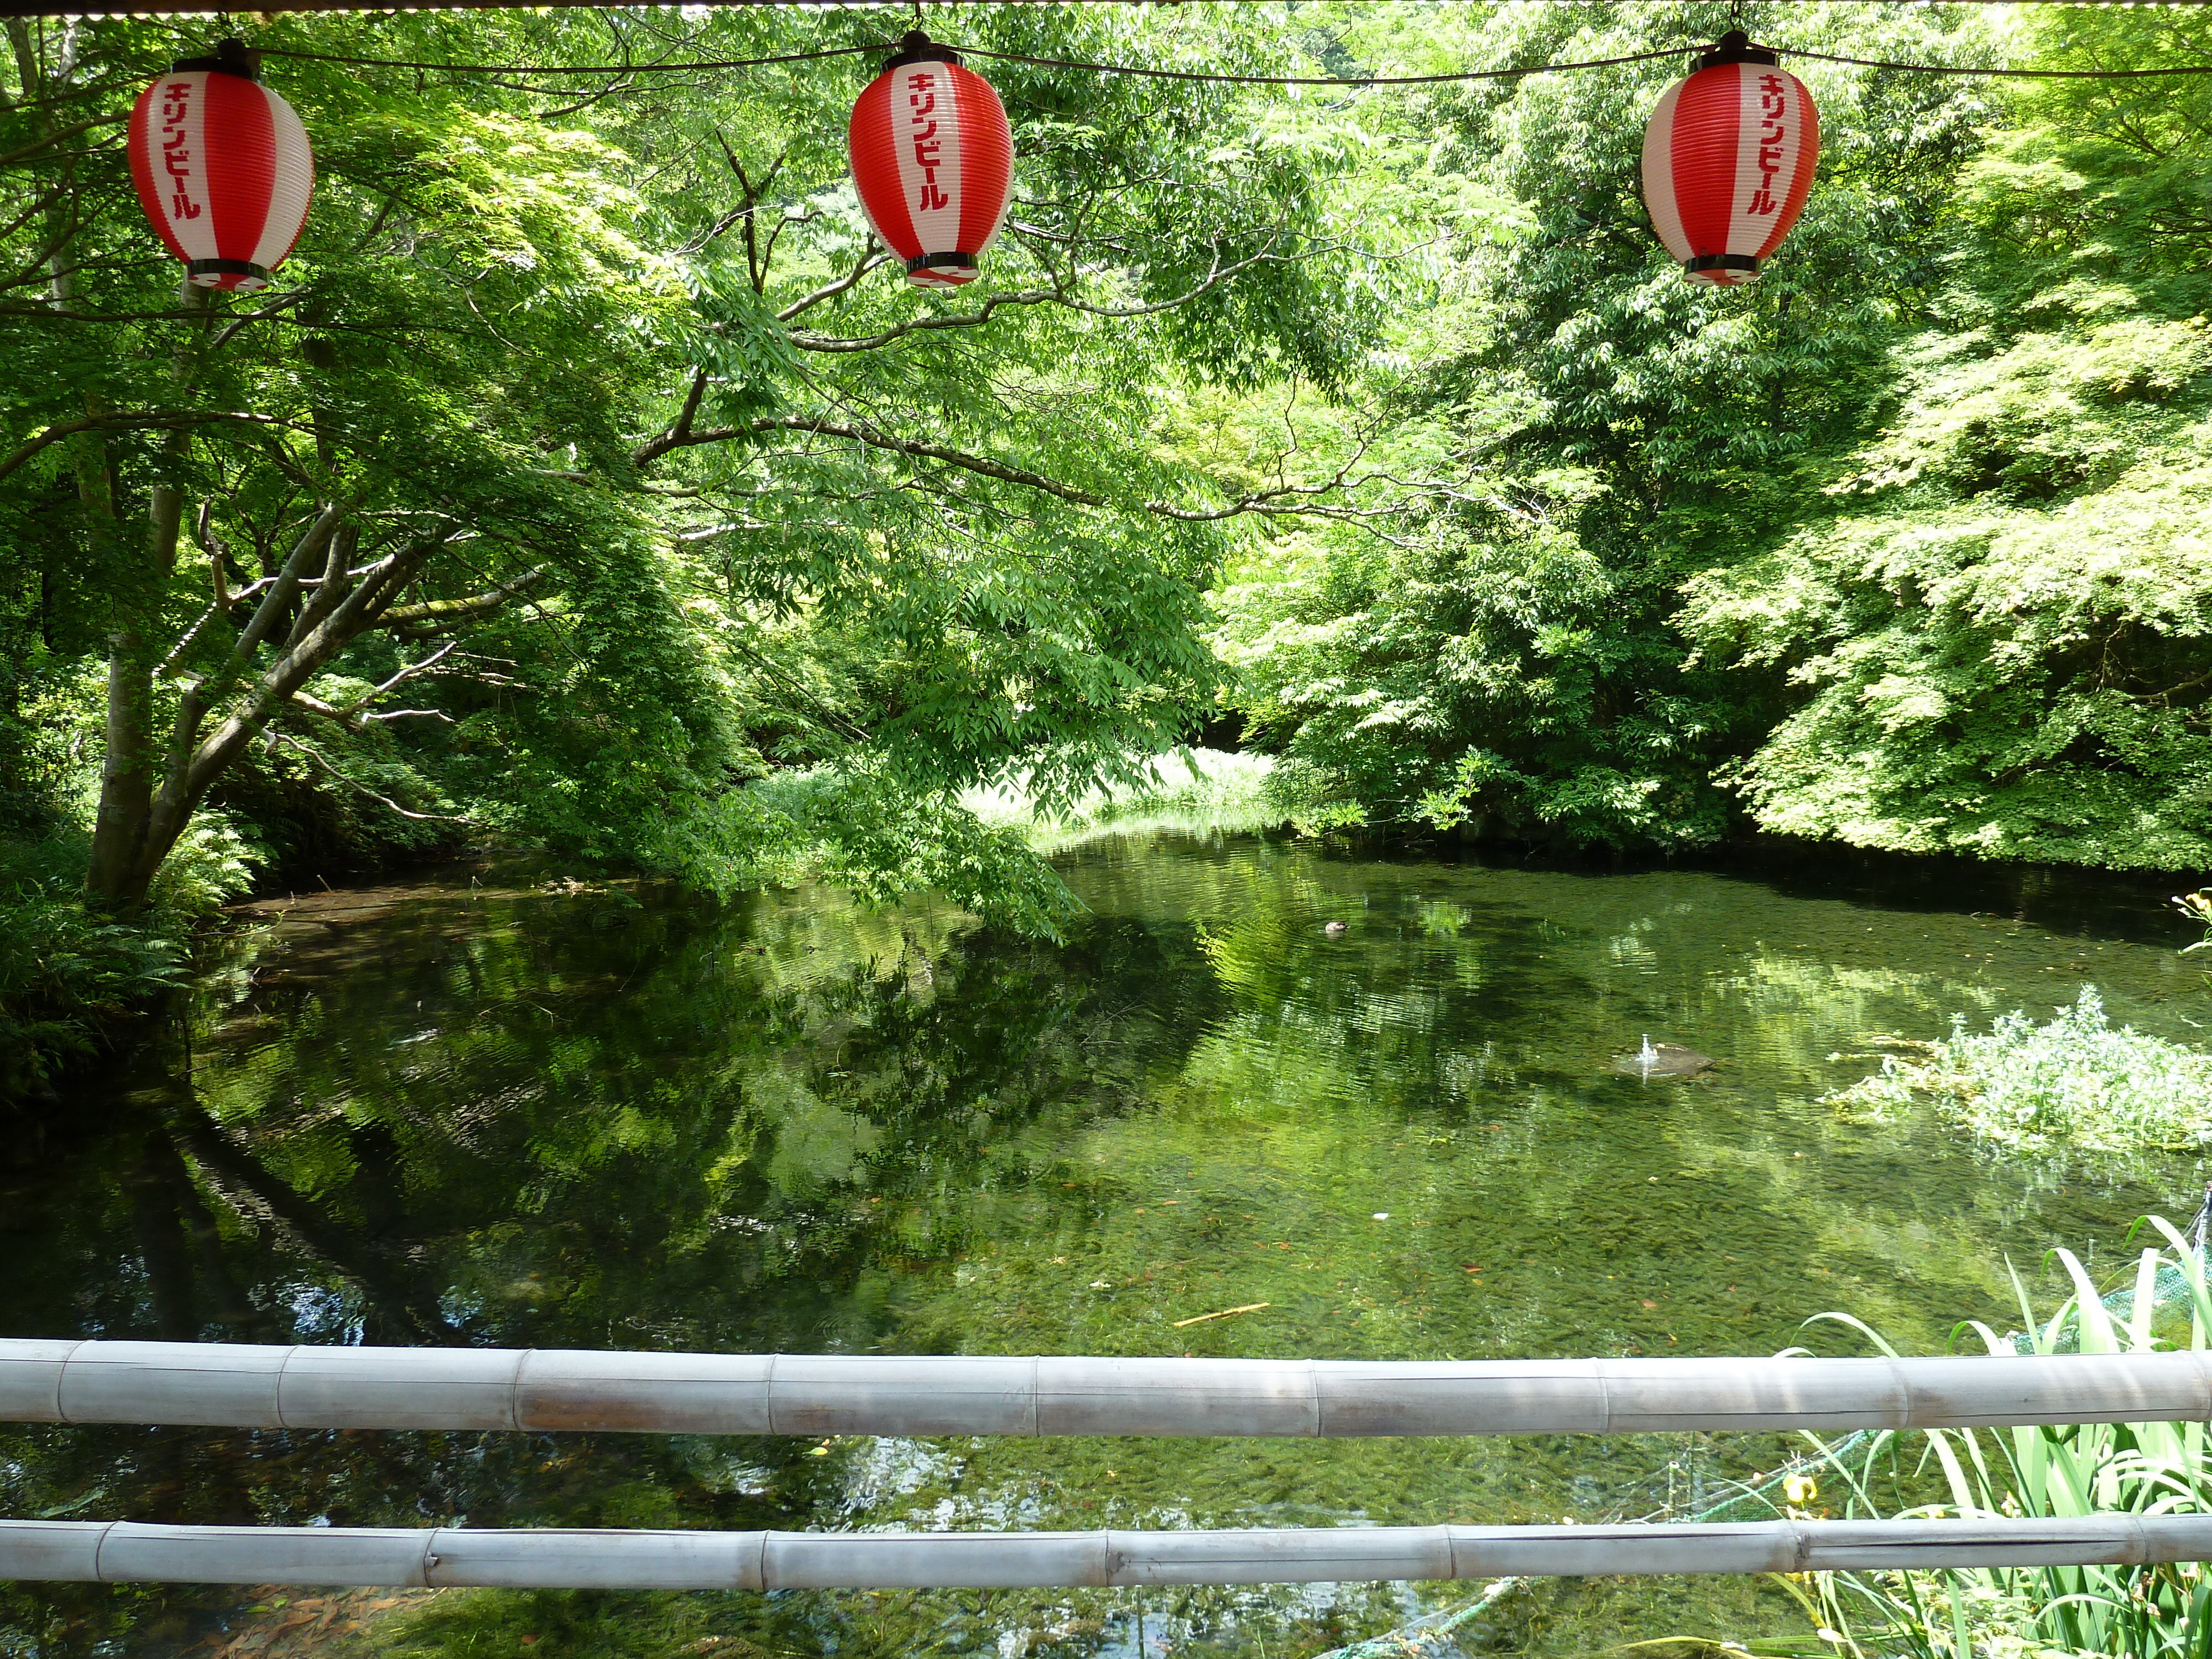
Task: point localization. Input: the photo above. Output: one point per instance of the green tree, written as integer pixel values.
(589, 461)
(1516, 661)
(1998, 638)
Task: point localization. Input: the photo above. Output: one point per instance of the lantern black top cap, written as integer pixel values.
(916, 47)
(1736, 47)
(231, 56)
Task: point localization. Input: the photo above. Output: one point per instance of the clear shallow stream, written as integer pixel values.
(468, 1110)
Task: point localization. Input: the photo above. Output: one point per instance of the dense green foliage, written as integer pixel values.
(589, 481)
(624, 386)
(1514, 659)
(1903, 546)
(1997, 640)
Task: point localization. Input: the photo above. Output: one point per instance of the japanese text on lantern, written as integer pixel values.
(921, 105)
(176, 154)
(1772, 133)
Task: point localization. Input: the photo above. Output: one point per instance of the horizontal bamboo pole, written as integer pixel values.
(119, 1552)
(225, 1385)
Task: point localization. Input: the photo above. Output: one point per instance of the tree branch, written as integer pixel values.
(1057, 294)
(869, 261)
(192, 706)
(156, 421)
(1288, 501)
(315, 755)
(17, 157)
(356, 614)
(433, 615)
(352, 722)
(356, 716)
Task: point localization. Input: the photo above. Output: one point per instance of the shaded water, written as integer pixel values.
(458, 1112)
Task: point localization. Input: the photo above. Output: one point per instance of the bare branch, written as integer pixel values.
(1288, 501)
(274, 602)
(356, 708)
(353, 721)
(277, 303)
(361, 609)
(869, 261)
(874, 438)
(17, 157)
(1056, 296)
(315, 755)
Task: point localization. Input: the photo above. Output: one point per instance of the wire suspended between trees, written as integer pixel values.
(1222, 76)
(1507, 74)
(581, 68)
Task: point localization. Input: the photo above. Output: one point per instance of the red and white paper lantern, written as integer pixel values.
(1727, 159)
(933, 160)
(222, 167)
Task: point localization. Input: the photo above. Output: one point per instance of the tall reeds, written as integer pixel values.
(2150, 1469)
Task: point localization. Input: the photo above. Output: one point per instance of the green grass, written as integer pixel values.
(2077, 1083)
(1197, 791)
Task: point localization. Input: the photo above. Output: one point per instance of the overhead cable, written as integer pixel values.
(1222, 78)
(578, 69)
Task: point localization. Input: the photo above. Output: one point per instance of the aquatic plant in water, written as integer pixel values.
(2076, 1082)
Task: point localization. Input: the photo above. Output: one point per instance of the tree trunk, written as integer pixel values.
(129, 691)
(122, 868)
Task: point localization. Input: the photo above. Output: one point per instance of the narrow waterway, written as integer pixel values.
(473, 1110)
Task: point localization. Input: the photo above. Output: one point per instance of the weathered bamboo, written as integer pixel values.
(327, 1387)
(115, 1551)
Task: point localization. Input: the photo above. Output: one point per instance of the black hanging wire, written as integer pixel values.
(1218, 77)
(1325, 80)
(1559, 69)
(577, 69)
(2017, 74)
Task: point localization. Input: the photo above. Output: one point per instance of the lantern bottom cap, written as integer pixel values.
(1722, 268)
(941, 269)
(241, 274)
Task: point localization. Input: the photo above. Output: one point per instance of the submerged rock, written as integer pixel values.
(1661, 1060)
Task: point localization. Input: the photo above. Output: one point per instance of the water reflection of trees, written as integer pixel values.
(673, 1131)
(585, 1122)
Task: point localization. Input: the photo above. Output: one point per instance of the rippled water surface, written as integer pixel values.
(469, 1110)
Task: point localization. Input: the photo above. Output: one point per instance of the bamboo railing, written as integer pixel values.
(307, 1387)
(118, 1551)
(224, 1385)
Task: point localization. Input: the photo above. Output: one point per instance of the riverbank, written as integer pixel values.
(74, 988)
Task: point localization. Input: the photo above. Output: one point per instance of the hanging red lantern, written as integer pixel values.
(1727, 159)
(933, 160)
(222, 167)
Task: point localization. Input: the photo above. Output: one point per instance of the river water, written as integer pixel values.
(470, 1109)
